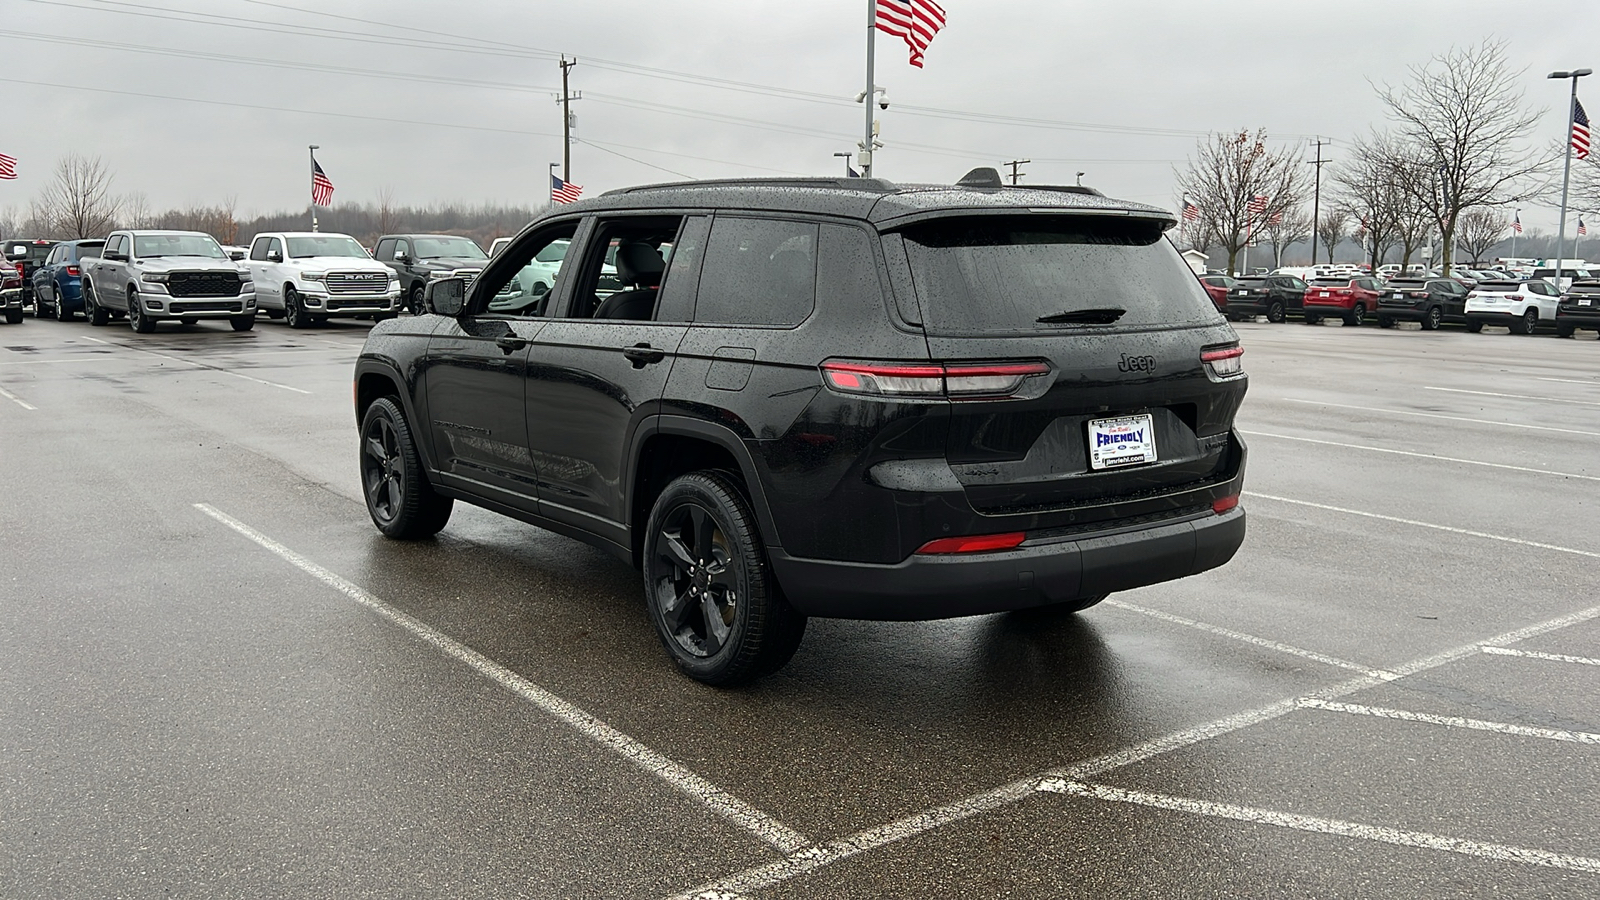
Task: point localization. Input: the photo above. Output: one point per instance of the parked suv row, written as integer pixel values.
(836, 398)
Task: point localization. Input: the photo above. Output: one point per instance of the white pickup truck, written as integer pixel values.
(306, 277)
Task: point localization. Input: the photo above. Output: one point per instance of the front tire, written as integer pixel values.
(137, 317)
(1474, 326)
(294, 311)
(1385, 322)
(243, 323)
(399, 498)
(62, 314)
(13, 317)
(416, 300)
(1565, 330)
(712, 597)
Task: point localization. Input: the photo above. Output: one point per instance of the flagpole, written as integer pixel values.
(867, 96)
(551, 184)
(313, 187)
(1517, 218)
(1566, 173)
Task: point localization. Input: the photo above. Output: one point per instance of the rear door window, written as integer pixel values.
(758, 272)
(1029, 274)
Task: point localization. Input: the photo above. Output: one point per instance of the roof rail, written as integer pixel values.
(1062, 188)
(864, 185)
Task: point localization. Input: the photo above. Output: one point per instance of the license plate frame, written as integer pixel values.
(1119, 442)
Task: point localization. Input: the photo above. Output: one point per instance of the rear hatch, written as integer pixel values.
(1121, 416)
(1403, 292)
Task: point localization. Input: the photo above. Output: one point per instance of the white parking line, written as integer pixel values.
(1512, 396)
(199, 365)
(777, 835)
(1250, 639)
(1401, 412)
(1449, 528)
(56, 362)
(1535, 654)
(815, 858)
(1590, 382)
(1381, 712)
(17, 400)
(1316, 824)
(1433, 456)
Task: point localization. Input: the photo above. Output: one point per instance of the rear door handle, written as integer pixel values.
(511, 343)
(642, 355)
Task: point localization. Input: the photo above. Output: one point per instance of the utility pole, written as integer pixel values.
(566, 118)
(1316, 202)
(1014, 173)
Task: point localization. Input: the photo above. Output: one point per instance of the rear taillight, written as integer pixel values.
(957, 381)
(72, 271)
(1224, 362)
(974, 544)
(1418, 295)
(1223, 504)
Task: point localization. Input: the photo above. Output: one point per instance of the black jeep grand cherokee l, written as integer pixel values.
(842, 398)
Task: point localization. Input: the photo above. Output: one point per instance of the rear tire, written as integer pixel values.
(1385, 322)
(1313, 320)
(1527, 322)
(1357, 314)
(711, 594)
(62, 314)
(1276, 313)
(94, 312)
(1475, 326)
(399, 498)
(1433, 318)
(1565, 330)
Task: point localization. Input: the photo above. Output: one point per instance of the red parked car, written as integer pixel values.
(1350, 299)
(1217, 286)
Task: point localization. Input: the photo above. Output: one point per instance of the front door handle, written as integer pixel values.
(642, 355)
(510, 343)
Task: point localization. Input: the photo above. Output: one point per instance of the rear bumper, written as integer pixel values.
(1403, 313)
(1034, 574)
(1493, 317)
(1588, 317)
(1329, 309)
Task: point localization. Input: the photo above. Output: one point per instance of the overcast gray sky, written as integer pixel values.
(706, 89)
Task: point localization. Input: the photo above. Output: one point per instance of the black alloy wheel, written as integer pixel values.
(141, 322)
(1358, 313)
(94, 312)
(294, 310)
(416, 300)
(1527, 323)
(711, 595)
(399, 498)
(1433, 318)
(1276, 313)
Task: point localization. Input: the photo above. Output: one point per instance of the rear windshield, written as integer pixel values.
(1010, 274)
(1406, 283)
(1332, 282)
(1504, 287)
(1253, 281)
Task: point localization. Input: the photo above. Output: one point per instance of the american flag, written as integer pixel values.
(321, 187)
(1191, 213)
(1580, 130)
(564, 191)
(1258, 205)
(1516, 223)
(8, 167)
(917, 21)
(1277, 218)
(1582, 228)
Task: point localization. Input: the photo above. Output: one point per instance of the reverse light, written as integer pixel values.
(956, 381)
(1224, 362)
(973, 543)
(1224, 504)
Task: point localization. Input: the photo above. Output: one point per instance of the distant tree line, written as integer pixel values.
(78, 202)
(1457, 157)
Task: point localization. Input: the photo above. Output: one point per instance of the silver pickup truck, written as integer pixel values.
(153, 276)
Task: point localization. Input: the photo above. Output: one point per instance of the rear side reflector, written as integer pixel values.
(974, 544)
(1224, 362)
(1224, 504)
(956, 381)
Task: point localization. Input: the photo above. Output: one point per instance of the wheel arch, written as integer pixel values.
(677, 445)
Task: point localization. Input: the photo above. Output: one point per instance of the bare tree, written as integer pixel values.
(1331, 230)
(1465, 130)
(1364, 185)
(388, 223)
(136, 211)
(1290, 227)
(77, 202)
(1227, 173)
(1480, 229)
(10, 222)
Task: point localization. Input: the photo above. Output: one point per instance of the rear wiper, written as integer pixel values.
(1102, 316)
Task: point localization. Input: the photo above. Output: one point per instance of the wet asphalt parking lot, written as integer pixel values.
(217, 680)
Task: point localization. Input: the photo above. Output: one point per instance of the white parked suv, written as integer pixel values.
(153, 276)
(306, 277)
(1522, 306)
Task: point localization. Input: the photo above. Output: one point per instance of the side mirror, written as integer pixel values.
(447, 296)
(116, 256)
(403, 258)
(274, 256)
(236, 255)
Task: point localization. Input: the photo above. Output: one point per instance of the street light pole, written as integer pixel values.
(314, 149)
(847, 169)
(1566, 169)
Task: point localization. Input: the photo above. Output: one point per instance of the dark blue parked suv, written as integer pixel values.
(844, 398)
(58, 282)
